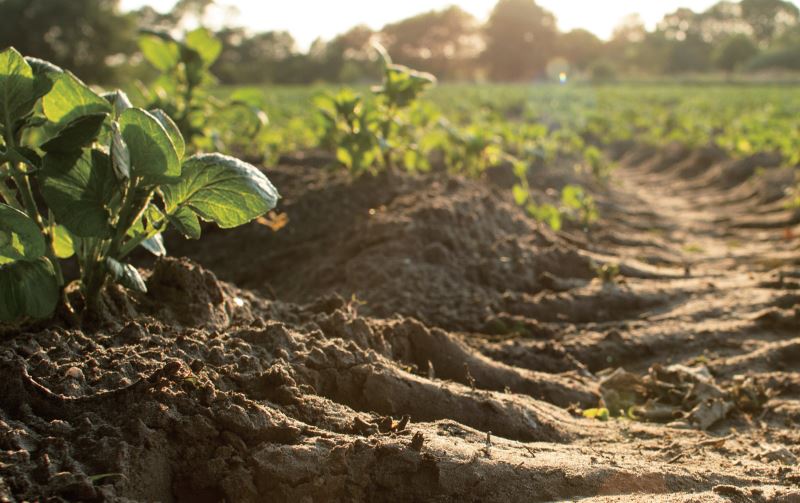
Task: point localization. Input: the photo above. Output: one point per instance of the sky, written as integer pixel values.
(307, 20)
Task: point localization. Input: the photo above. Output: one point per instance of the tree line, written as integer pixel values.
(519, 41)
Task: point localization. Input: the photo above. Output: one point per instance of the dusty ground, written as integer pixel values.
(421, 339)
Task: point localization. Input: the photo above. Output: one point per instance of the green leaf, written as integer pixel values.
(572, 196)
(77, 187)
(42, 67)
(153, 155)
(119, 101)
(120, 154)
(205, 44)
(63, 243)
(45, 75)
(126, 275)
(546, 213)
(79, 133)
(186, 222)
(30, 290)
(155, 245)
(520, 194)
(520, 169)
(172, 130)
(20, 237)
(343, 156)
(24, 155)
(17, 86)
(150, 222)
(221, 189)
(247, 120)
(159, 51)
(70, 98)
(196, 71)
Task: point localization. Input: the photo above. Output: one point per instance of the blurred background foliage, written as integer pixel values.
(519, 42)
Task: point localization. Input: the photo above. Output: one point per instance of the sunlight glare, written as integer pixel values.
(307, 20)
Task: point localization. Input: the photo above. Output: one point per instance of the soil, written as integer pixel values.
(419, 338)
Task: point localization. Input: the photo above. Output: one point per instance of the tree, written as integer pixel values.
(183, 12)
(680, 25)
(80, 35)
(632, 48)
(195, 9)
(769, 18)
(347, 58)
(580, 47)
(734, 52)
(722, 20)
(520, 39)
(692, 54)
(630, 29)
(255, 58)
(444, 42)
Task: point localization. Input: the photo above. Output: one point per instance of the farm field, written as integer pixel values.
(741, 119)
(405, 291)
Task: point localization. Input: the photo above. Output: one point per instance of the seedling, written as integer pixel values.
(369, 135)
(400, 90)
(599, 166)
(546, 213)
(471, 150)
(608, 273)
(576, 204)
(113, 177)
(579, 205)
(349, 129)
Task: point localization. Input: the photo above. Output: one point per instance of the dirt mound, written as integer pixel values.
(448, 251)
(188, 294)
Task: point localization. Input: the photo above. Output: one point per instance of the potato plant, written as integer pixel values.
(181, 90)
(371, 134)
(93, 177)
(350, 130)
(542, 212)
(579, 205)
(470, 150)
(575, 204)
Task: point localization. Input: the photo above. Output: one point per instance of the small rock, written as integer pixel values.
(783, 455)
(74, 373)
(417, 440)
(728, 491)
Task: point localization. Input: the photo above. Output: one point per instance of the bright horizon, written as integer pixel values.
(307, 20)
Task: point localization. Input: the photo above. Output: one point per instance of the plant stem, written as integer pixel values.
(25, 191)
(94, 272)
(134, 242)
(93, 283)
(128, 215)
(386, 130)
(131, 245)
(10, 197)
